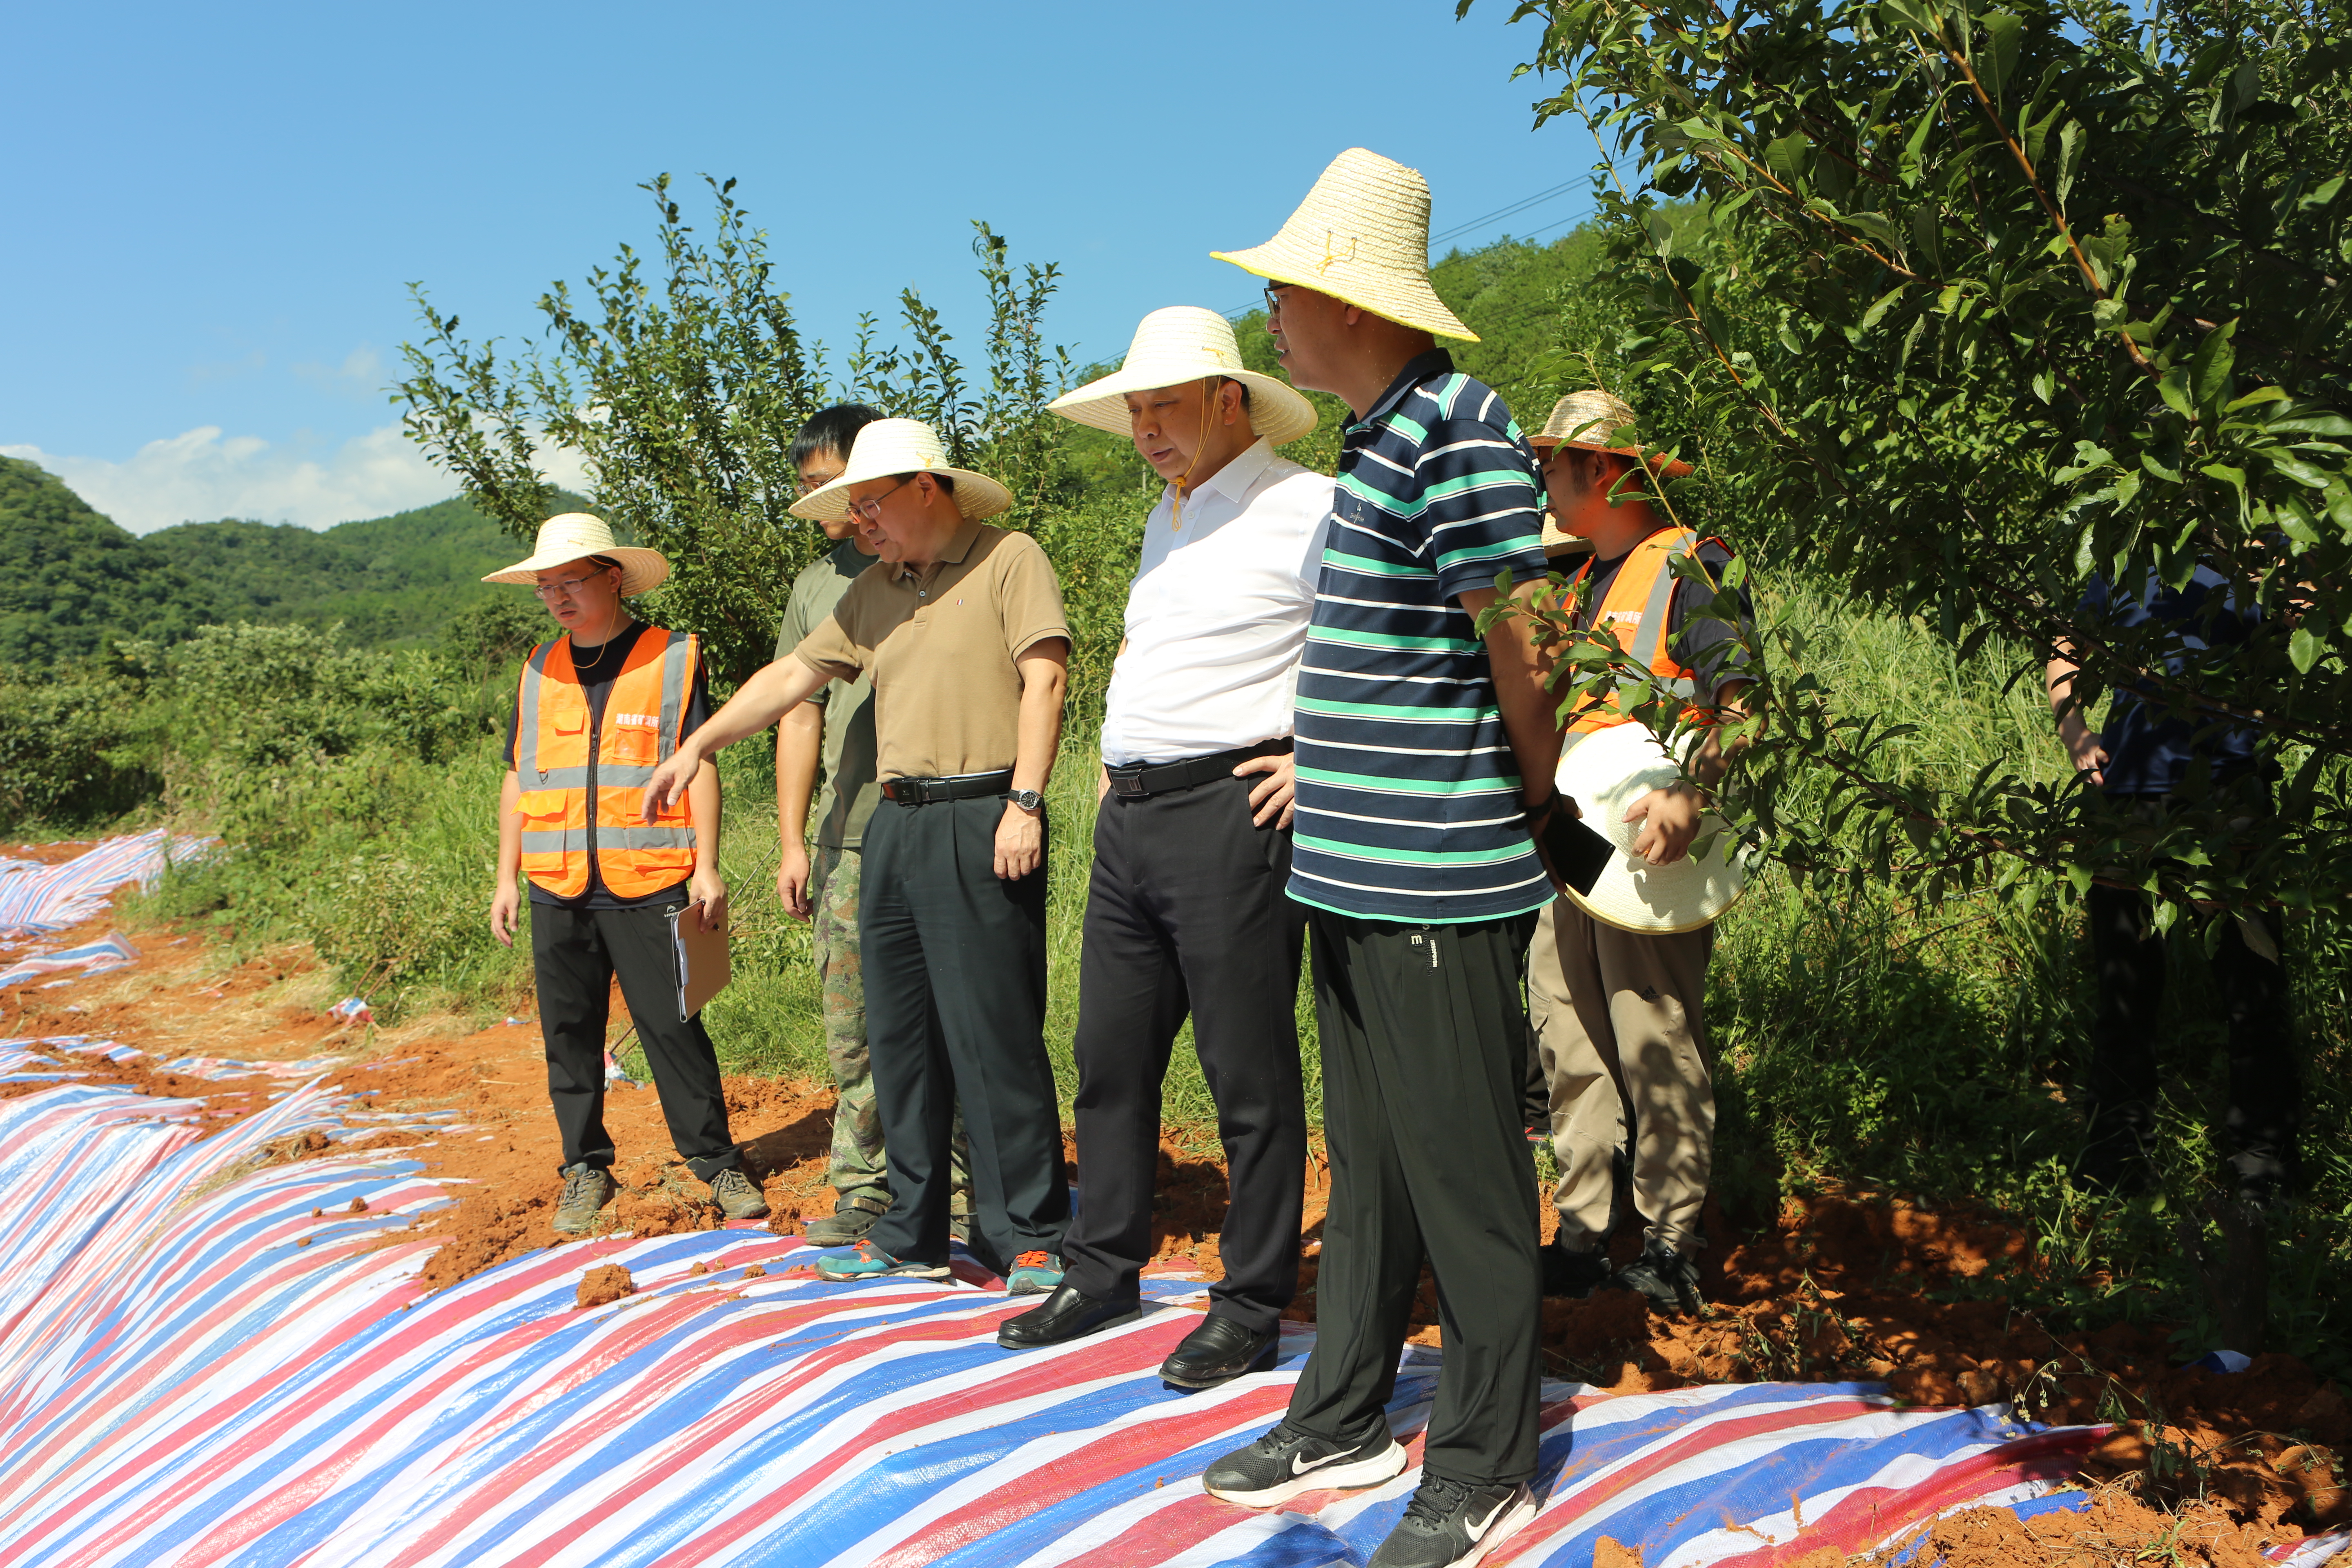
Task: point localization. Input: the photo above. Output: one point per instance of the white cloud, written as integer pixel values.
(360, 376)
(201, 475)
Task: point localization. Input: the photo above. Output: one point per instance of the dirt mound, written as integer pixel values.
(604, 1284)
(2116, 1527)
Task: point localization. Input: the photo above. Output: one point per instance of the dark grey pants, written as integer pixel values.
(1187, 912)
(955, 1007)
(1425, 1039)
(577, 954)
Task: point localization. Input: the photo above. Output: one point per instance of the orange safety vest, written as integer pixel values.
(1638, 607)
(558, 771)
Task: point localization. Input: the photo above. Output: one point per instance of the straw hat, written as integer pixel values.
(1181, 343)
(1360, 236)
(1588, 419)
(1605, 773)
(574, 534)
(888, 447)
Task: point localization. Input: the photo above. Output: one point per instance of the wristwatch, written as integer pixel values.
(1027, 799)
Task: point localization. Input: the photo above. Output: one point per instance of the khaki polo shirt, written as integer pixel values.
(940, 646)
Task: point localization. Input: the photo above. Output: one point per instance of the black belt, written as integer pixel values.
(1134, 781)
(963, 786)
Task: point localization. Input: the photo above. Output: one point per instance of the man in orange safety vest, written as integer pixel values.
(597, 710)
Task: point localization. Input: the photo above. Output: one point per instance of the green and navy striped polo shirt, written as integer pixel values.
(1408, 794)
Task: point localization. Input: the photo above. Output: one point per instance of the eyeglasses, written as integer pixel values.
(811, 484)
(563, 590)
(1272, 303)
(871, 508)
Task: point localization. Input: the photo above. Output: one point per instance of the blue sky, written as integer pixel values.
(217, 211)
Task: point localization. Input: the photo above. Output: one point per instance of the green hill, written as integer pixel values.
(390, 580)
(75, 582)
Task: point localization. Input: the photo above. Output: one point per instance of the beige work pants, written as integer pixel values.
(1621, 1031)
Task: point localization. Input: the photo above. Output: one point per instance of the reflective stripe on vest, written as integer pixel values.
(556, 769)
(1641, 594)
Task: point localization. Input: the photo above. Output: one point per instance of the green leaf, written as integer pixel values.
(2173, 387)
(2305, 650)
(2045, 384)
(1875, 226)
(2070, 159)
(2004, 31)
(2331, 425)
(1786, 156)
(2209, 370)
(2298, 470)
(1877, 311)
(2268, 395)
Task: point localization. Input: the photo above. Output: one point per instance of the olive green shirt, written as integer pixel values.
(943, 646)
(850, 790)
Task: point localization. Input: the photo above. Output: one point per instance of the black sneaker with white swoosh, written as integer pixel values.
(1286, 1462)
(1450, 1525)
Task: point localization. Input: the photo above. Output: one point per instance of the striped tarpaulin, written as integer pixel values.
(52, 897)
(195, 1371)
(112, 951)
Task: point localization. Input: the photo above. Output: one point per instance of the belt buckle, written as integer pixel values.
(1127, 786)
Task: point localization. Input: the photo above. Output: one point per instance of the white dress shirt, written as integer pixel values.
(1218, 614)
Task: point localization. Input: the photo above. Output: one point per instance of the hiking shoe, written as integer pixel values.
(853, 1216)
(1571, 1274)
(1034, 1274)
(1287, 1461)
(586, 1190)
(736, 1196)
(867, 1261)
(1667, 1278)
(1448, 1523)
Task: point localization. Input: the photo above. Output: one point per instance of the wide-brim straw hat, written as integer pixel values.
(1606, 771)
(1588, 419)
(573, 534)
(1360, 236)
(888, 447)
(1179, 344)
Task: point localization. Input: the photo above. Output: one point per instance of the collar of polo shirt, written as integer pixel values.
(951, 554)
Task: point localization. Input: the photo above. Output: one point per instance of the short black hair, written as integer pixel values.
(832, 430)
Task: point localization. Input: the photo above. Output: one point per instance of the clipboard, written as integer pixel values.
(703, 965)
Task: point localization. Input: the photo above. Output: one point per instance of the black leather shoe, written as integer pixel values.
(1068, 1313)
(1217, 1351)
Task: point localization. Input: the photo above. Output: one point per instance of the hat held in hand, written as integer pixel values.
(889, 447)
(1183, 343)
(1360, 236)
(1604, 772)
(573, 535)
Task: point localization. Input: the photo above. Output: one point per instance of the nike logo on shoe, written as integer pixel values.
(1300, 1464)
(1477, 1532)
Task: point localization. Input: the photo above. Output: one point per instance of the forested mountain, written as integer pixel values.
(73, 582)
(76, 582)
(389, 580)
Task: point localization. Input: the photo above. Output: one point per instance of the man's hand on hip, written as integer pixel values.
(1273, 797)
(1020, 843)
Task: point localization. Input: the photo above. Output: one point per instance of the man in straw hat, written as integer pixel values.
(1619, 1013)
(1187, 910)
(961, 627)
(597, 709)
(835, 728)
(1425, 752)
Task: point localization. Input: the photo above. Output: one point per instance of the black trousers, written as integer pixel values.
(1425, 1038)
(577, 954)
(955, 1007)
(2265, 1098)
(1187, 912)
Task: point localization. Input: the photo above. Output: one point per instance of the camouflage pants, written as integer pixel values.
(857, 1161)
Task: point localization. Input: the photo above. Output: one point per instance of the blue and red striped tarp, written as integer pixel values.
(51, 898)
(195, 1371)
(112, 951)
